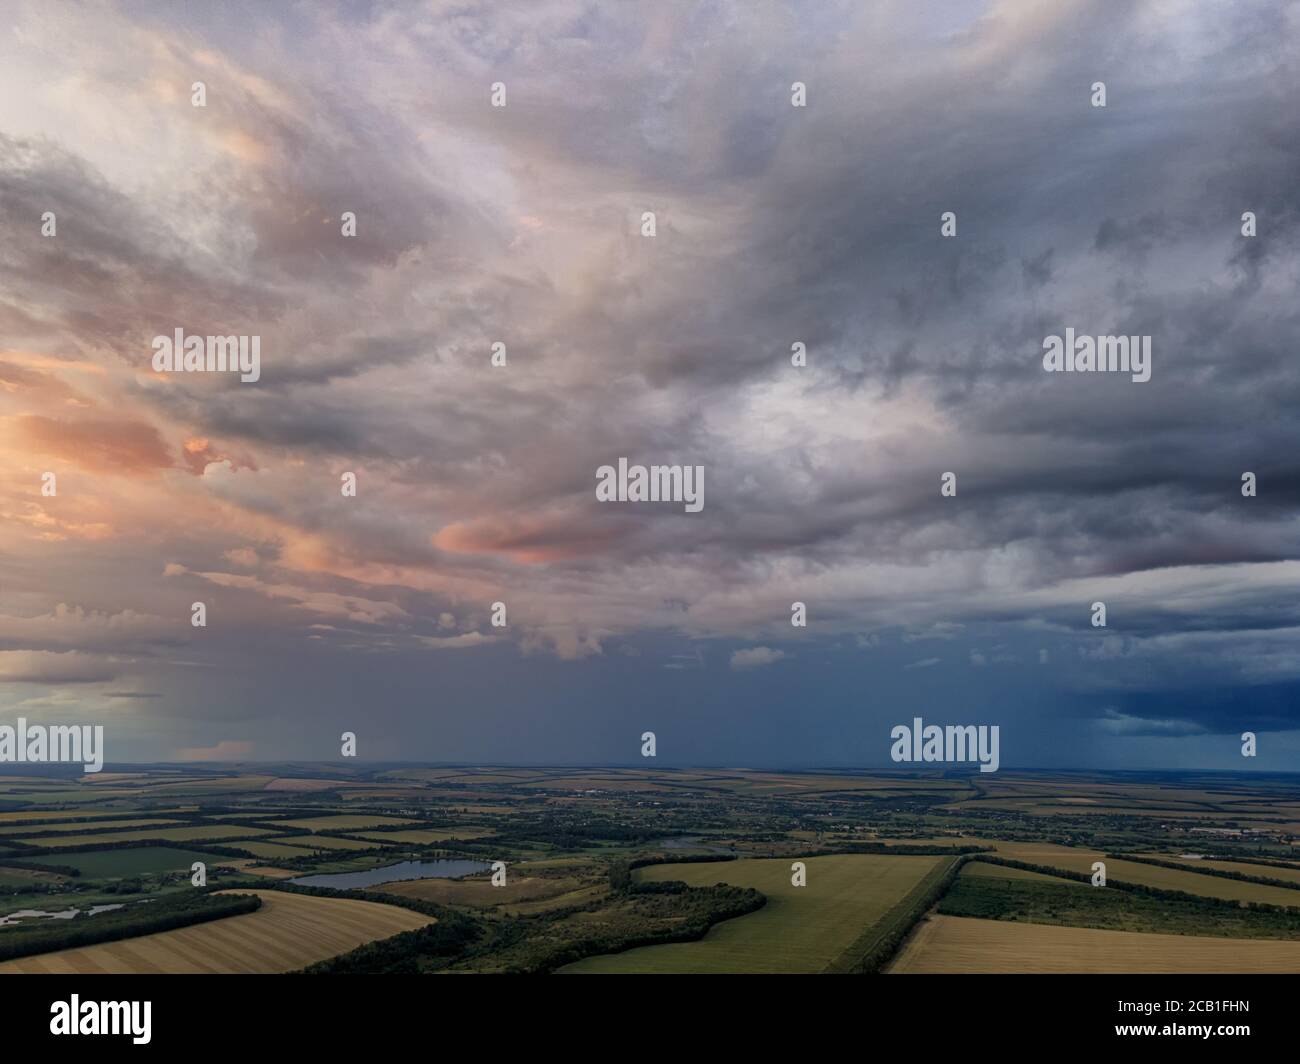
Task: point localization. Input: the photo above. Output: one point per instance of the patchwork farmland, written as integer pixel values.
(616, 870)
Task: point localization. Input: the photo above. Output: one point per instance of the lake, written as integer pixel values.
(446, 868)
(62, 914)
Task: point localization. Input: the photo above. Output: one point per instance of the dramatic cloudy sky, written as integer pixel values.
(776, 224)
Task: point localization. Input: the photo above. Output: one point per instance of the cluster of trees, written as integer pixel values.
(638, 915)
(683, 858)
(653, 913)
(620, 876)
(409, 953)
(1151, 910)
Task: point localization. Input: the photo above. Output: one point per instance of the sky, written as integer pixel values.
(774, 224)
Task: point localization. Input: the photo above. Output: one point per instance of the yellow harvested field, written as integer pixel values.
(268, 872)
(288, 932)
(966, 946)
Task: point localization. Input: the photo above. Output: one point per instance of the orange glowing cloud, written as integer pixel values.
(199, 453)
(130, 447)
(532, 541)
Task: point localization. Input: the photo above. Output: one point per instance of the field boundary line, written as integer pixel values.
(872, 949)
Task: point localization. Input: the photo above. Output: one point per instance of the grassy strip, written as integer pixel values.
(1222, 873)
(871, 950)
(164, 914)
(1130, 888)
(1240, 859)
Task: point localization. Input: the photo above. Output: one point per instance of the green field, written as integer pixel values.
(800, 929)
(102, 864)
(982, 870)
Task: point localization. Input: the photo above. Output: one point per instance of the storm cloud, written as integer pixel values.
(775, 225)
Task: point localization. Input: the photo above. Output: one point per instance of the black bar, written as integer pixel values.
(430, 1014)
